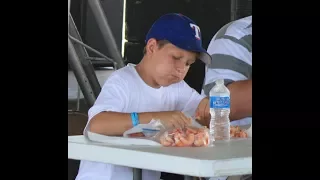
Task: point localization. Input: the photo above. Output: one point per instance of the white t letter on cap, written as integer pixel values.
(196, 29)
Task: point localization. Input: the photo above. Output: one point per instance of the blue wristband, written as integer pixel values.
(135, 119)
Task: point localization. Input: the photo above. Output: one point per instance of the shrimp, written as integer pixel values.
(165, 143)
(190, 130)
(234, 131)
(185, 137)
(201, 139)
(243, 134)
(166, 140)
(177, 141)
(179, 144)
(177, 130)
(188, 139)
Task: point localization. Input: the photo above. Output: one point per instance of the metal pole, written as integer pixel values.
(78, 98)
(80, 74)
(106, 32)
(95, 59)
(137, 174)
(82, 54)
(233, 10)
(83, 18)
(69, 3)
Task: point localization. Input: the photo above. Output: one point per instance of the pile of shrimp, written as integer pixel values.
(236, 132)
(185, 137)
(196, 137)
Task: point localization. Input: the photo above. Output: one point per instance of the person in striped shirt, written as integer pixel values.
(231, 52)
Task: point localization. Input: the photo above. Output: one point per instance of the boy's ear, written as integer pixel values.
(151, 46)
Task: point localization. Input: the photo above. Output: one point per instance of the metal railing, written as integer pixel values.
(78, 57)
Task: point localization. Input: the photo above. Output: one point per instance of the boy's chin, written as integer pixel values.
(166, 84)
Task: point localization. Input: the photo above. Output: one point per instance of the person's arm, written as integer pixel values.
(115, 123)
(106, 117)
(240, 94)
(190, 101)
(241, 99)
(231, 61)
(203, 112)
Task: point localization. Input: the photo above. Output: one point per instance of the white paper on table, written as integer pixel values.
(125, 141)
(153, 127)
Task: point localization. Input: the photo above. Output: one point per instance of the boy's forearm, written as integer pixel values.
(114, 123)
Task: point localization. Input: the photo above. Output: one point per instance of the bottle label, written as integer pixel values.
(219, 102)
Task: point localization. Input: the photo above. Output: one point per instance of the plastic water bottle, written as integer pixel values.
(219, 110)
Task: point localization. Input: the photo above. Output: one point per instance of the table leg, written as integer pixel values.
(137, 174)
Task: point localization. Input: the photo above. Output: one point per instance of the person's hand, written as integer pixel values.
(172, 119)
(203, 112)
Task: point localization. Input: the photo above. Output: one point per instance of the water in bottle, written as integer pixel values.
(219, 110)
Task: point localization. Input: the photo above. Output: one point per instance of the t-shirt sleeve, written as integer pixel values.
(189, 99)
(113, 97)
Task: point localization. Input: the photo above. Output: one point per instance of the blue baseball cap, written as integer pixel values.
(180, 31)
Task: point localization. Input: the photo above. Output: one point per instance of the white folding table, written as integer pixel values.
(224, 159)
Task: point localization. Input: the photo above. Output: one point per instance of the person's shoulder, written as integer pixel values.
(122, 74)
(243, 23)
(235, 34)
(123, 78)
(246, 21)
(236, 29)
(240, 28)
(117, 78)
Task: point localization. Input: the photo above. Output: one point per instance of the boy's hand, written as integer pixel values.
(203, 112)
(172, 119)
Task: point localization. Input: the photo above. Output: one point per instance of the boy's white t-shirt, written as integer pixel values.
(125, 91)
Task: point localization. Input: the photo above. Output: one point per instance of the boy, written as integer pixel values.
(153, 89)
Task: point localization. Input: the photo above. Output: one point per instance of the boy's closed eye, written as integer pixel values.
(176, 57)
(188, 63)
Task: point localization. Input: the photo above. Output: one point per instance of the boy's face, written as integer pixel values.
(171, 63)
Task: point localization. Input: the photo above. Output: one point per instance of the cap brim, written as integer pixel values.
(205, 57)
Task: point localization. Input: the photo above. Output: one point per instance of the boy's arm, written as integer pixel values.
(190, 101)
(115, 123)
(105, 116)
